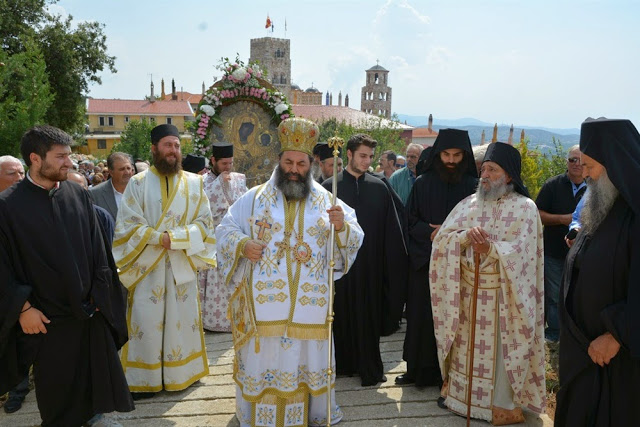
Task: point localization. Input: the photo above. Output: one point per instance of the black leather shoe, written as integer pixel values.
(367, 383)
(441, 403)
(404, 379)
(142, 395)
(13, 404)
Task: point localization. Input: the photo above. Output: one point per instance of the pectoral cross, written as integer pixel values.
(284, 245)
(263, 226)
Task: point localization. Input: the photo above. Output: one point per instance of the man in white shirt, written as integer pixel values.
(109, 194)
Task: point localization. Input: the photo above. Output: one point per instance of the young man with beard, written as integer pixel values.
(222, 188)
(273, 251)
(164, 233)
(450, 176)
(61, 307)
(364, 296)
(501, 223)
(600, 302)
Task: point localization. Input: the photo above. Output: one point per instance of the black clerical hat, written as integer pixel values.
(509, 159)
(615, 143)
(323, 151)
(160, 131)
(222, 150)
(193, 163)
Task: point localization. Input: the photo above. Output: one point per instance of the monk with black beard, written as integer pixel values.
(450, 176)
(367, 296)
(600, 298)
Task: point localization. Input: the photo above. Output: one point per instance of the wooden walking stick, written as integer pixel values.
(336, 143)
(472, 341)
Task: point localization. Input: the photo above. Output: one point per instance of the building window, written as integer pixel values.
(283, 80)
(169, 121)
(110, 120)
(152, 119)
(278, 54)
(101, 121)
(126, 119)
(375, 79)
(102, 144)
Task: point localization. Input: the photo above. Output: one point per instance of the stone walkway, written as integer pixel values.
(211, 402)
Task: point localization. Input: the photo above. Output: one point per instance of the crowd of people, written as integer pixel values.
(110, 273)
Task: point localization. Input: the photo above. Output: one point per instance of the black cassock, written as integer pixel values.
(52, 253)
(397, 295)
(363, 297)
(601, 293)
(430, 202)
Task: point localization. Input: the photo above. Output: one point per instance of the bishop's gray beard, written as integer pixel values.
(496, 191)
(599, 198)
(293, 190)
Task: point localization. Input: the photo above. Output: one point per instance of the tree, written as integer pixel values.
(388, 136)
(136, 140)
(531, 172)
(73, 57)
(25, 95)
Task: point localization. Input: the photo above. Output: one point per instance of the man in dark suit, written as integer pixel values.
(108, 194)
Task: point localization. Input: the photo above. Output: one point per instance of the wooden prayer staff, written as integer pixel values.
(474, 306)
(336, 143)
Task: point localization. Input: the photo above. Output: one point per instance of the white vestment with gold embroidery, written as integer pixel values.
(214, 292)
(509, 362)
(166, 340)
(279, 307)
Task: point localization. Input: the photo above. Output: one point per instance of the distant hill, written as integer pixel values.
(539, 137)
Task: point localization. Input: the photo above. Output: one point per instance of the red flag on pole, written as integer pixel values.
(268, 24)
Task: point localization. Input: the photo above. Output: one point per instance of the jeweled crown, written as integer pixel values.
(298, 134)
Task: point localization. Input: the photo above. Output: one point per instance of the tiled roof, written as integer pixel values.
(191, 98)
(321, 113)
(423, 133)
(138, 107)
(377, 68)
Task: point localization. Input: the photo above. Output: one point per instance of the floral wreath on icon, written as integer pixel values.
(238, 83)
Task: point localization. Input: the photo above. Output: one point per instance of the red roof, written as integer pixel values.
(321, 113)
(424, 133)
(191, 98)
(138, 107)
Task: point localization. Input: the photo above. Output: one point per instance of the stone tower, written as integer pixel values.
(376, 94)
(274, 56)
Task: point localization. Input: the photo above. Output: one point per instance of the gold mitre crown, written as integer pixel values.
(298, 134)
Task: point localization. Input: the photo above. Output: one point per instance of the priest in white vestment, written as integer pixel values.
(222, 187)
(163, 235)
(273, 249)
(502, 224)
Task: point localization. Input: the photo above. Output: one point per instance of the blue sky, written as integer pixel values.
(537, 63)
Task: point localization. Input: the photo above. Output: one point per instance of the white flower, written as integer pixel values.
(281, 108)
(239, 74)
(208, 110)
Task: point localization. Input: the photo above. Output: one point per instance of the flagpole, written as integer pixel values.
(336, 143)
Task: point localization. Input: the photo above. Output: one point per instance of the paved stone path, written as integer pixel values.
(211, 402)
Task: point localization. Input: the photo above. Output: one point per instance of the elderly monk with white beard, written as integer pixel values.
(273, 250)
(600, 297)
(501, 223)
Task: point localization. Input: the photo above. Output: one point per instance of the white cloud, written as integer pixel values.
(438, 55)
(56, 9)
(382, 12)
(422, 18)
